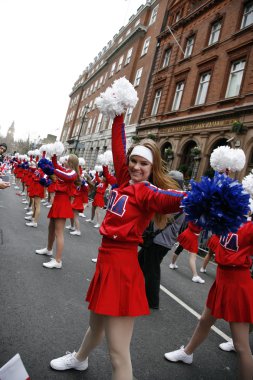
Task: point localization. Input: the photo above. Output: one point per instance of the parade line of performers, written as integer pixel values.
(144, 218)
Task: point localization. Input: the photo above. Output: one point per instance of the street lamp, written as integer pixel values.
(86, 109)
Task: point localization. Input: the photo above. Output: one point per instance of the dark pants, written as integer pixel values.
(150, 259)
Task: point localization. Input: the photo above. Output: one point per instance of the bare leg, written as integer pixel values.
(207, 258)
(118, 331)
(51, 234)
(59, 235)
(36, 213)
(192, 263)
(174, 258)
(93, 337)
(93, 209)
(76, 220)
(202, 330)
(240, 336)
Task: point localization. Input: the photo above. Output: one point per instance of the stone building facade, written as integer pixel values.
(201, 93)
(130, 53)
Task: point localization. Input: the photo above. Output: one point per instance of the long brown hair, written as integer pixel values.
(159, 175)
(74, 164)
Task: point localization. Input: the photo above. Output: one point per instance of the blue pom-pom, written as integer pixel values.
(46, 166)
(218, 204)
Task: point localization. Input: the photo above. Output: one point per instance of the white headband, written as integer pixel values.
(143, 151)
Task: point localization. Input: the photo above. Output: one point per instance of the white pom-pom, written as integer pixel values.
(98, 168)
(100, 159)
(81, 161)
(108, 157)
(58, 148)
(43, 148)
(220, 159)
(36, 152)
(247, 184)
(50, 149)
(16, 154)
(238, 160)
(117, 98)
(30, 153)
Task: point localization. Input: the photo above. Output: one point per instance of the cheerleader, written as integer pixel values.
(61, 208)
(188, 240)
(36, 192)
(77, 206)
(117, 291)
(230, 298)
(211, 245)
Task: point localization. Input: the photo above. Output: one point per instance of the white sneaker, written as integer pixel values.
(82, 215)
(53, 264)
(28, 217)
(70, 228)
(97, 225)
(49, 206)
(94, 260)
(32, 224)
(25, 202)
(173, 266)
(179, 356)
(89, 220)
(27, 208)
(227, 346)
(69, 361)
(44, 251)
(46, 204)
(198, 279)
(23, 193)
(16, 187)
(202, 270)
(75, 232)
(29, 212)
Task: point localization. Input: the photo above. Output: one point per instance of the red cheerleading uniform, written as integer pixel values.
(188, 239)
(36, 189)
(64, 186)
(213, 242)
(85, 193)
(77, 203)
(118, 287)
(230, 296)
(98, 200)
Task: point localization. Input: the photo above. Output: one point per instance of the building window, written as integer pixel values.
(128, 115)
(120, 62)
(153, 15)
(138, 77)
(156, 102)
(100, 81)
(99, 122)
(145, 46)
(96, 85)
(120, 40)
(177, 18)
(112, 69)
(105, 77)
(235, 78)
(189, 47)
(166, 58)
(128, 57)
(203, 88)
(128, 32)
(215, 33)
(247, 18)
(137, 22)
(178, 96)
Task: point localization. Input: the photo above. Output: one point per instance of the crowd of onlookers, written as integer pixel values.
(4, 179)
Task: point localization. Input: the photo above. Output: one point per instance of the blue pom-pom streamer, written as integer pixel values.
(46, 166)
(45, 181)
(218, 204)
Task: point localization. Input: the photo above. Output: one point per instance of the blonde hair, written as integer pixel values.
(159, 175)
(74, 164)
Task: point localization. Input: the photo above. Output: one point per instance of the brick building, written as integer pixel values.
(130, 53)
(201, 93)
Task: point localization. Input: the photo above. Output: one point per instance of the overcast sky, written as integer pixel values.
(45, 46)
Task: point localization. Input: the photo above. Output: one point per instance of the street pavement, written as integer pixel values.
(43, 313)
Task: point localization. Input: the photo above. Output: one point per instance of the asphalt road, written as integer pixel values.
(43, 313)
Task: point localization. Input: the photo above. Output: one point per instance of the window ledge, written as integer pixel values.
(209, 47)
(196, 107)
(242, 31)
(184, 60)
(232, 99)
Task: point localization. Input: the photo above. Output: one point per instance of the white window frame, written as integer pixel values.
(138, 77)
(215, 33)
(189, 47)
(247, 18)
(128, 56)
(156, 102)
(235, 78)
(153, 15)
(166, 58)
(145, 46)
(99, 122)
(178, 96)
(120, 63)
(100, 81)
(204, 82)
(113, 68)
(128, 115)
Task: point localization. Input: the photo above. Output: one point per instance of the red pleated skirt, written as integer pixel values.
(85, 197)
(213, 242)
(231, 295)
(61, 207)
(77, 203)
(118, 287)
(98, 201)
(36, 190)
(188, 240)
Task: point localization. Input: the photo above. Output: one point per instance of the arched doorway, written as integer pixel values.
(189, 163)
(167, 154)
